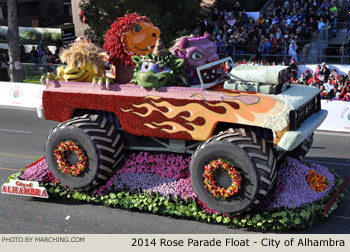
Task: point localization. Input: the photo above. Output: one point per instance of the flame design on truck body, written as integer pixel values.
(240, 107)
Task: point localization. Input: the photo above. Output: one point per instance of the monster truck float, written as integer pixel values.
(179, 132)
(248, 121)
(237, 124)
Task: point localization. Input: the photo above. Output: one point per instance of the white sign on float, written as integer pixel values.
(24, 188)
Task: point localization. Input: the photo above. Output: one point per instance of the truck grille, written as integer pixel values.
(298, 116)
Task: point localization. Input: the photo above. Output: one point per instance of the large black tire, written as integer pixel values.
(101, 142)
(301, 151)
(250, 155)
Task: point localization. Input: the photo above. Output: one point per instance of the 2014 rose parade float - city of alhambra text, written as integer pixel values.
(231, 242)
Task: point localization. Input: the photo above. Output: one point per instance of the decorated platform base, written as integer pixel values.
(303, 194)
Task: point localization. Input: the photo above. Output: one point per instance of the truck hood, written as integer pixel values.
(291, 99)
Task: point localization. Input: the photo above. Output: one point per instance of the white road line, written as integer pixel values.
(324, 162)
(16, 108)
(9, 169)
(17, 131)
(332, 133)
(342, 217)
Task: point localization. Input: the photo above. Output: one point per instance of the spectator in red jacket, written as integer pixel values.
(347, 77)
(308, 75)
(346, 97)
(314, 81)
(345, 90)
(323, 93)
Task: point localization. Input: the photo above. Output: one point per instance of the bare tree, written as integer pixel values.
(12, 37)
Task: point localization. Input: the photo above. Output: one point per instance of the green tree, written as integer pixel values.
(12, 37)
(174, 18)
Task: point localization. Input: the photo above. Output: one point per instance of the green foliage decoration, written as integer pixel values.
(278, 220)
(178, 74)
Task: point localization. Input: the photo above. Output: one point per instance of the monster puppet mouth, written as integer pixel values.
(211, 74)
(147, 49)
(152, 80)
(76, 76)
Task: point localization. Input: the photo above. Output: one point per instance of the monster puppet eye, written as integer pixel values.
(197, 56)
(136, 28)
(160, 68)
(78, 64)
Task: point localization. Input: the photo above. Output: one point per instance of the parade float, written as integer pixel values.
(226, 150)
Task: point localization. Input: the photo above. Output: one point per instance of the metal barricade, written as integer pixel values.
(32, 72)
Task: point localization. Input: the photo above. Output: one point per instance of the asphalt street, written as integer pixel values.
(22, 140)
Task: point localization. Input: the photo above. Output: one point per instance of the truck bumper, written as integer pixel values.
(291, 139)
(40, 112)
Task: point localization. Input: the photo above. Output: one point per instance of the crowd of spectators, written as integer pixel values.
(283, 29)
(42, 55)
(333, 86)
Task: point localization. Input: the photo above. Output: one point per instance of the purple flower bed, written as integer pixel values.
(143, 172)
(169, 176)
(139, 181)
(165, 166)
(181, 188)
(291, 188)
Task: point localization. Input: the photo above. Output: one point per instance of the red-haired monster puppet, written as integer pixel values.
(129, 35)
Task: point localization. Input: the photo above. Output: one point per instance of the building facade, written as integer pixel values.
(39, 13)
(78, 26)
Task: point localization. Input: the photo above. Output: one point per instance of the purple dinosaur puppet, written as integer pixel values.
(196, 51)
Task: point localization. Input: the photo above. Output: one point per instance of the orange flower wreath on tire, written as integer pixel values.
(210, 183)
(61, 157)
